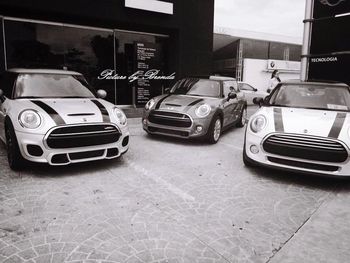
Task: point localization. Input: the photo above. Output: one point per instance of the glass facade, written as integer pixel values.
(89, 51)
(3, 60)
(128, 62)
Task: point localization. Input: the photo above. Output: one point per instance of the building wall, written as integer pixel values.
(257, 72)
(252, 49)
(186, 51)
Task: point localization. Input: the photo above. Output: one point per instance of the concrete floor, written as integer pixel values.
(170, 200)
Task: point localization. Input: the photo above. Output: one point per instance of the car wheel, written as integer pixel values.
(247, 162)
(14, 156)
(215, 129)
(242, 118)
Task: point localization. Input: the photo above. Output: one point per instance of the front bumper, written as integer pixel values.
(71, 155)
(180, 132)
(291, 164)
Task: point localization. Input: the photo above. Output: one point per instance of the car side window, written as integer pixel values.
(7, 82)
(245, 86)
(230, 86)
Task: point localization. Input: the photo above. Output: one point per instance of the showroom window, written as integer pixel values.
(139, 52)
(88, 51)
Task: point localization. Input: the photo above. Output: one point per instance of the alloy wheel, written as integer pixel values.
(244, 116)
(217, 130)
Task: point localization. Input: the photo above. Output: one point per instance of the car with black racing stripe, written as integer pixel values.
(301, 126)
(196, 108)
(56, 117)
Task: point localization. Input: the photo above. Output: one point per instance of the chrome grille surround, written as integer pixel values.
(170, 119)
(87, 133)
(306, 147)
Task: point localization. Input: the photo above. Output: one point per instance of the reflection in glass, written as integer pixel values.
(32, 45)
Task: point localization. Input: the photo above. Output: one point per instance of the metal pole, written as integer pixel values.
(305, 51)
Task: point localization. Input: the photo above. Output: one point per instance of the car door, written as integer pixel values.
(230, 106)
(7, 81)
(249, 92)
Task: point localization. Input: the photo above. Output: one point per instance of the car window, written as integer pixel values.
(7, 82)
(52, 86)
(312, 97)
(245, 86)
(228, 85)
(197, 87)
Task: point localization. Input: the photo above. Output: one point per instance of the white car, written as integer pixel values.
(301, 126)
(54, 116)
(250, 92)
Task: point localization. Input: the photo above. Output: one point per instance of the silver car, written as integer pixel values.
(197, 108)
(55, 117)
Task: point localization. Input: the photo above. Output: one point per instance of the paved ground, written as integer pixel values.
(170, 200)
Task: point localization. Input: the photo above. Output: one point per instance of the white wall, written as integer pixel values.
(257, 72)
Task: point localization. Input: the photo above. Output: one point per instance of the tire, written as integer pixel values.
(242, 118)
(215, 130)
(247, 162)
(14, 156)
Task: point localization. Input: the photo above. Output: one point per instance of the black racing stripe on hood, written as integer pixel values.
(161, 101)
(192, 104)
(103, 110)
(337, 125)
(277, 116)
(53, 114)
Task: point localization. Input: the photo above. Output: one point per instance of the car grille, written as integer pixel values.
(306, 147)
(168, 131)
(312, 166)
(172, 119)
(86, 155)
(82, 136)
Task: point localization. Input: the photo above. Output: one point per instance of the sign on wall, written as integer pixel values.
(151, 5)
(330, 47)
(148, 58)
(328, 8)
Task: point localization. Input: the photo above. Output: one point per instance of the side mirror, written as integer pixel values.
(231, 96)
(255, 89)
(268, 91)
(258, 101)
(167, 90)
(101, 94)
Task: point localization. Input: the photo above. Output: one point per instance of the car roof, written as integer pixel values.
(43, 71)
(221, 78)
(315, 82)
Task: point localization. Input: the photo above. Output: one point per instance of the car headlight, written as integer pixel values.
(29, 119)
(258, 123)
(203, 111)
(119, 114)
(150, 104)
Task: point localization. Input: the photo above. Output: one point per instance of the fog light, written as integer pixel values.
(254, 149)
(199, 129)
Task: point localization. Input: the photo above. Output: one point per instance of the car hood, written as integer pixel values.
(181, 103)
(307, 121)
(72, 111)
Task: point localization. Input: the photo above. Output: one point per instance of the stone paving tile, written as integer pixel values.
(327, 232)
(198, 203)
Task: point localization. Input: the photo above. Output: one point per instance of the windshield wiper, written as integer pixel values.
(29, 97)
(280, 105)
(73, 97)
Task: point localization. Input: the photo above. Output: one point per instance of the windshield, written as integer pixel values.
(52, 86)
(311, 96)
(197, 87)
